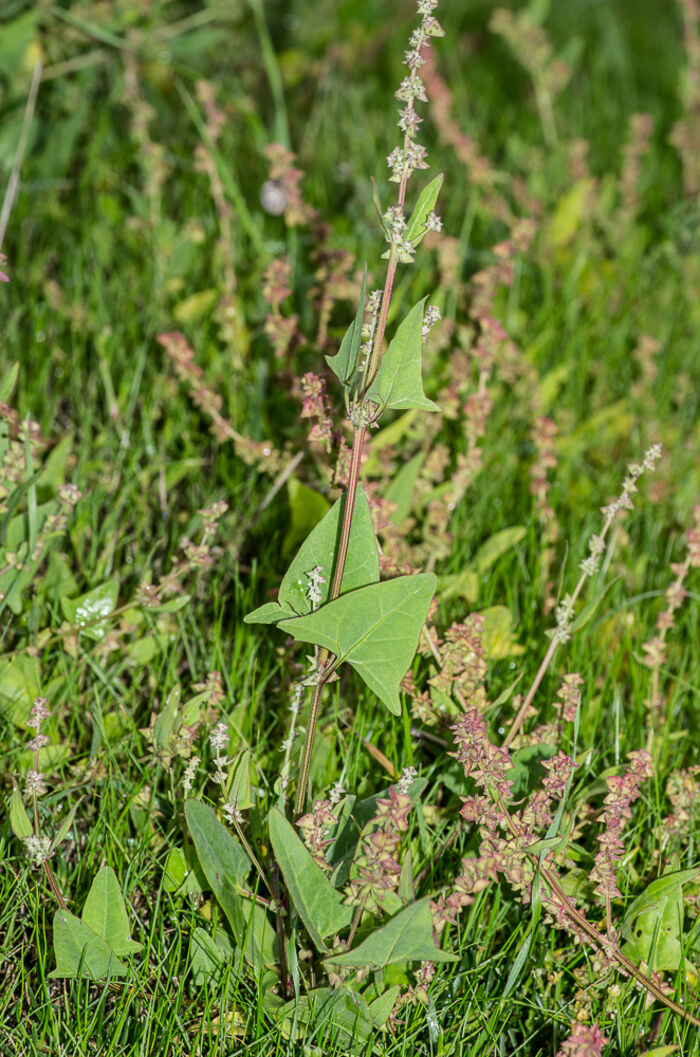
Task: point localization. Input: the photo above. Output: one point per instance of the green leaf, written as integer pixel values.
(195, 307)
(415, 229)
(570, 212)
(375, 629)
(226, 867)
(8, 383)
(173, 605)
(19, 819)
(179, 876)
(401, 489)
(344, 362)
(653, 923)
(496, 546)
(320, 548)
(320, 906)
(498, 635)
(398, 383)
(460, 585)
(164, 726)
(306, 508)
(407, 937)
(65, 826)
(240, 791)
(381, 1007)
(209, 956)
(19, 686)
(80, 951)
(88, 611)
(104, 912)
(225, 863)
(342, 1012)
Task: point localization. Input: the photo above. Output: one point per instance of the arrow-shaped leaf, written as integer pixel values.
(399, 383)
(375, 629)
(320, 906)
(79, 949)
(104, 912)
(320, 548)
(407, 937)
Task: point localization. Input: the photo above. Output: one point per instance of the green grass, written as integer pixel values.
(99, 268)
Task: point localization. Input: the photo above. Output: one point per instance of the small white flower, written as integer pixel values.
(219, 737)
(314, 591)
(407, 776)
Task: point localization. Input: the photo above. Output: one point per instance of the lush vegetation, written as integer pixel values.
(494, 851)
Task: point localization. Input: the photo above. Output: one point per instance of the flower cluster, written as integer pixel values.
(316, 826)
(252, 453)
(38, 848)
(585, 1040)
(464, 666)
(590, 565)
(377, 869)
(315, 405)
(483, 761)
(314, 590)
(633, 153)
(411, 155)
(655, 649)
(623, 790)
(284, 184)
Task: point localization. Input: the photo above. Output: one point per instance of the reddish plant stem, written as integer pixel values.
(358, 440)
(593, 934)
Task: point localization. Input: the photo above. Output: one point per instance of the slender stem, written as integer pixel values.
(358, 441)
(524, 708)
(13, 182)
(519, 720)
(593, 934)
(258, 868)
(356, 921)
(309, 740)
(54, 885)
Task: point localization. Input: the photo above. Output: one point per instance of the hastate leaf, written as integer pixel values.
(80, 951)
(319, 549)
(375, 629)
(344, 362)
(104, 912)
(320, 906)
(407, 937)
(399, 383)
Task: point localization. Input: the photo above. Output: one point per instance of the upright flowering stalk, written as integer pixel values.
(369, 390)
(623, 790)
(655, 648)
(379, 867)
(590, 565)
